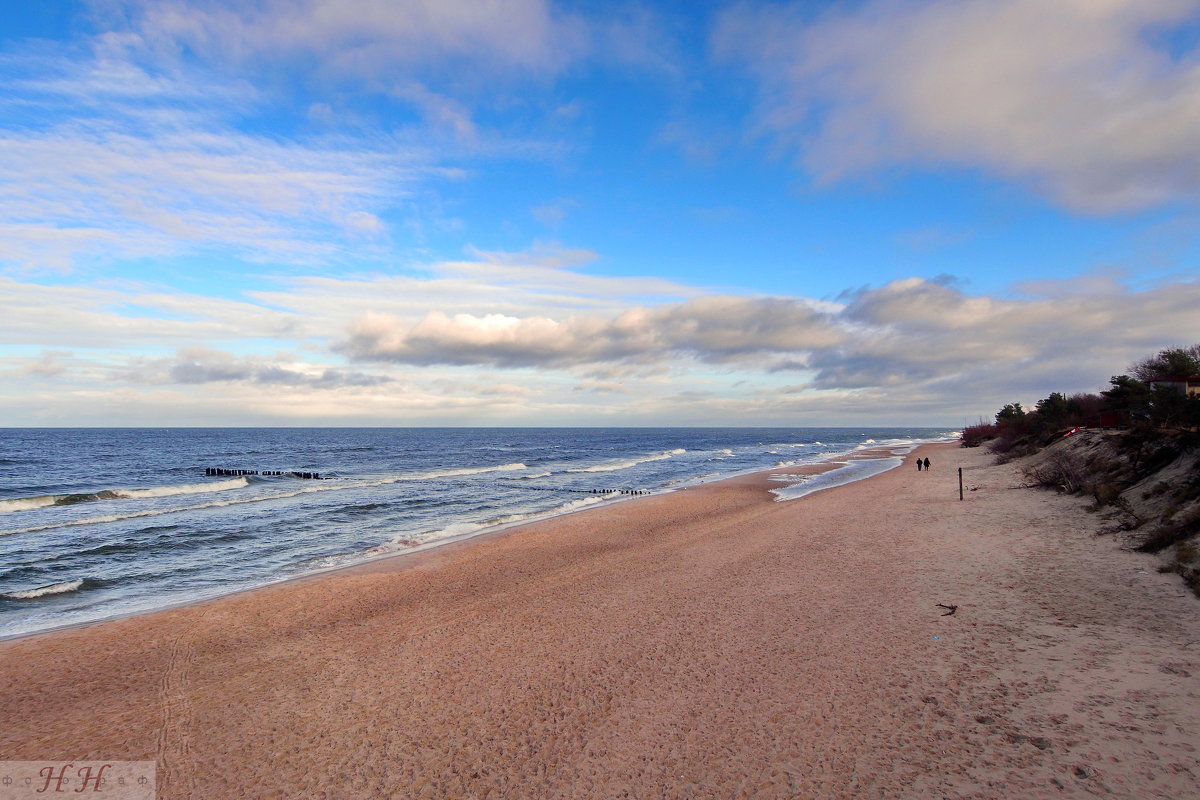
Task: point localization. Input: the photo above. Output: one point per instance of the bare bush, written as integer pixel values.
(1057, 472)
(1171, 530)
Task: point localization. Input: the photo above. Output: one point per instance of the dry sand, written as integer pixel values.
(707, 643)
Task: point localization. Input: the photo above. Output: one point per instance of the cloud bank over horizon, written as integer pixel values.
(300, 212)
(320, 353)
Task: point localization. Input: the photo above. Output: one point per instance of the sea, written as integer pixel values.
(97, 523)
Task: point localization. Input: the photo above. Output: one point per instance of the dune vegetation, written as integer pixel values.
(1134, 448)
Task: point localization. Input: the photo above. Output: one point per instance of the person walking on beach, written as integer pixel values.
(918, 465)
(927, 464)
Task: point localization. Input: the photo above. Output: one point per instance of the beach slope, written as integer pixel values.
(707, 643)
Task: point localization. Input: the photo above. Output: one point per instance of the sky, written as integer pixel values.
(535, 213)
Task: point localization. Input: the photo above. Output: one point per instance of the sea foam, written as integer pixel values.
(453, 473)
(847, 472)
(465, 529)
(185, 488)
(43, 501)
(42, 591)
(614, 466)
(26, 503)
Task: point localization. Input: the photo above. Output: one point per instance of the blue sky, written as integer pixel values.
(466, 212)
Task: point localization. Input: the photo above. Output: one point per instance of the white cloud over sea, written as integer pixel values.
(371, 350)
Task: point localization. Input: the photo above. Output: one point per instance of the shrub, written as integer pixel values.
(975, 435)
(1057, 472)
(1106, 494)
(1185, 556)
(1170, 531)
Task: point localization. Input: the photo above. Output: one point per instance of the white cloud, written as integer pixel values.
(914, 332)
(88, 192)
(366, 38)
(911, 337)
(709, 328)
(378, 41)
(146, 140)
(49, 365)
(133, 316)
(446, 59)
(552, 214)
(370, 350)
(1081, 99)
(539, 283)
(364, 221)
(122, 164)
(201, 365)
(310, 310)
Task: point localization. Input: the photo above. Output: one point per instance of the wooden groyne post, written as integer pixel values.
(221, 471)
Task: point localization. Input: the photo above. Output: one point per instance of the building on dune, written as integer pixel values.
(1188, 386)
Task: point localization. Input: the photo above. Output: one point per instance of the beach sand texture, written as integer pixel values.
(709, 643)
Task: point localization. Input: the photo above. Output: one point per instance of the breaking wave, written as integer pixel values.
(153, 512)
(185, 488)
(44, 501)
(614, 466)
(42, 591)
(464, 529)
(451, 473)
(847, 472)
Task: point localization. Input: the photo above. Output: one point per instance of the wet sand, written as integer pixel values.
(707, 643)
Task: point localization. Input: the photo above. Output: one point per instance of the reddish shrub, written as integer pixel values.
(975, 435)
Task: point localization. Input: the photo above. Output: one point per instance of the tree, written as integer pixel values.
(1174, 362)
(1085, 407)
(1010, 413)
(1127, 394)
(1168, 407)
(1053, 410)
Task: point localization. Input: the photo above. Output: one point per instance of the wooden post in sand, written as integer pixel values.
(960, 496)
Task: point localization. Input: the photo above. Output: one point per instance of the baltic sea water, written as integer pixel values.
(100, 522)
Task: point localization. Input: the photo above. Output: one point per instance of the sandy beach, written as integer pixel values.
(709, 643)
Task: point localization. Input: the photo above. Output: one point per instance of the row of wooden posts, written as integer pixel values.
(235, 473)
(580, 491)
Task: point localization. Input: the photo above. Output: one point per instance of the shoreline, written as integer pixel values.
(830, 463)
(699, 644)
